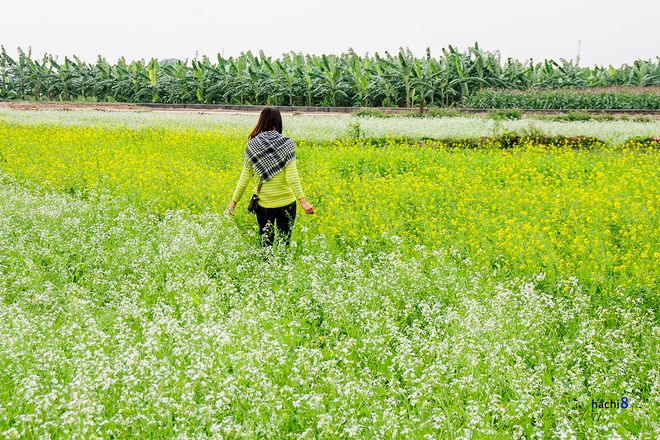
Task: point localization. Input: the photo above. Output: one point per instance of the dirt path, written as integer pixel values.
(252, 110)
(119, 107)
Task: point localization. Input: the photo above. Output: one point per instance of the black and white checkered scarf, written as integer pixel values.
(268, 153)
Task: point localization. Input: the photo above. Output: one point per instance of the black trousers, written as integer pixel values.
(281, 218)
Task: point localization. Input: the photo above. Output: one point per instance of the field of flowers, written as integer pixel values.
(436, 293)
(564, 212)
(330, 128)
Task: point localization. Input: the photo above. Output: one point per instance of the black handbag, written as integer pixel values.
(254, 201)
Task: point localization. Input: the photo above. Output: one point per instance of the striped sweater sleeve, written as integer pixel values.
(293, 180)
(246, 177)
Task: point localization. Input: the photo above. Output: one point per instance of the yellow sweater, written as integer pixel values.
(283, 189)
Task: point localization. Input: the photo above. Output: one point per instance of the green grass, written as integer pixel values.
(444, 113)
(432, 112)
(567, 99)
(370, 112)
(505, 114)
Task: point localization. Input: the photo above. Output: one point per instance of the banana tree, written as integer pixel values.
(49, 75)
(645, 73)
(330, 75)
(571, 75)
(4, 72)
(240, 77)
(360, 71)
(99, 79)
(287, 76)
(380, 84)
(133, 81)
(257, 80)
(305, 70)
(81, 76)
(399, 70)
(222, 89)
(173, 82)
(21, 73)
(153, 69)
(269, 79)
(202, 73)
(265, 79)
(64, 77)
(423, 74)
(39, 77)
(467, 72)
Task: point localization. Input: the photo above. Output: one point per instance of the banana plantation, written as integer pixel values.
(399, 80)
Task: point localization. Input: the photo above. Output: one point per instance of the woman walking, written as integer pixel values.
(271, 157)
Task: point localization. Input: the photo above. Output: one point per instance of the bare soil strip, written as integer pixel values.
(251, 109)
(183, 108)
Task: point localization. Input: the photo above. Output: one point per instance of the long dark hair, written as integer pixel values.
(269, 119)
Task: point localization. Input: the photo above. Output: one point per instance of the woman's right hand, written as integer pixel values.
(230, 208)
(309, 209)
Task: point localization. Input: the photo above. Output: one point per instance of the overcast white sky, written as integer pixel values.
(611, 32)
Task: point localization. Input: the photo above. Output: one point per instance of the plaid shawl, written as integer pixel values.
(268, 153)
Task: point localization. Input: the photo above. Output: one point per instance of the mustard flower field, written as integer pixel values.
(437, 293)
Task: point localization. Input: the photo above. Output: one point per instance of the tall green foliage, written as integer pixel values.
(296, 79)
